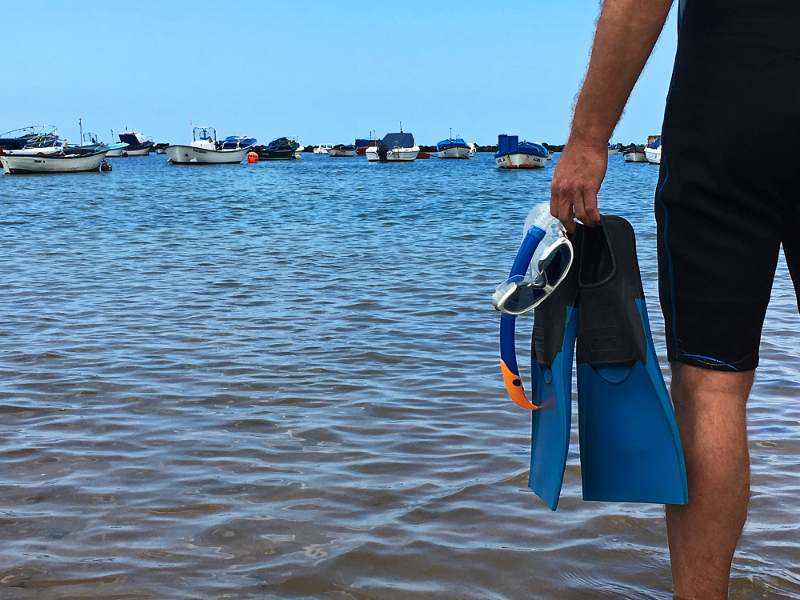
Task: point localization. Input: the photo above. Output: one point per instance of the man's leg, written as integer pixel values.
(710, 410)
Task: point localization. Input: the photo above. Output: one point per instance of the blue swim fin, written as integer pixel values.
(630, 446)
(555, 324)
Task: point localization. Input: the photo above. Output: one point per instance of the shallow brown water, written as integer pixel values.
(282, 381)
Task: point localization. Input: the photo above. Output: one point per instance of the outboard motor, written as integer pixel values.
(383, 151)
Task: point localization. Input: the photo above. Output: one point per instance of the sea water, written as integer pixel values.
(282, 380)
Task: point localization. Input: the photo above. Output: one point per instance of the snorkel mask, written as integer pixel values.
(543, 261)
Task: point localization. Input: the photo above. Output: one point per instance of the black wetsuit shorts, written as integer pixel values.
(728, 194)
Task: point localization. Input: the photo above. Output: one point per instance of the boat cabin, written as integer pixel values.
(204, 137)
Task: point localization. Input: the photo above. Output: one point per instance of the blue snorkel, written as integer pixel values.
(518, 294)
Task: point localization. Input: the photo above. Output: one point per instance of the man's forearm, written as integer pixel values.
(626, 33)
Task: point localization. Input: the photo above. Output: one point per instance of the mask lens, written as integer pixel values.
(524, 298)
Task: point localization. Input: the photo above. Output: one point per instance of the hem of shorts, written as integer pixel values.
(713, 364)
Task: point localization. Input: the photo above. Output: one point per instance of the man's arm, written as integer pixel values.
(626, 33)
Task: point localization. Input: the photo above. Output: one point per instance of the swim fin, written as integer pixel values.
(555, 324)
(630, 446)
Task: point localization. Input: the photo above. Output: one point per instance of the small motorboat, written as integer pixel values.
(423, 155)
(138, 145)
(280, 149)
(323, 148)
(394, 147)
(36, 139)
(205, 150)
(513, 154)
(653, 149)
(342, 150)
(634, 154)
(614, 149)
(70, 160)
(453, 148)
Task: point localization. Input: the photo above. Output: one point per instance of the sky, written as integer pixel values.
(326, 72)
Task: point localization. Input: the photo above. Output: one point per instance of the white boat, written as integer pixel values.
(138, 145)
(205, 150)
(323, 149)
(632, 154)
(116, 152)
(653, 149)
(454, 148)
(513, 154)
(394, 147)
(53, 163)
(614, 149)
(345, 150)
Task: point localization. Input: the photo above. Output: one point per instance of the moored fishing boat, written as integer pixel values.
(513, 154)
(634, 154)
(205, 150)
(653, 149)
(342, 150)
(35, 139)
(280, 149)
(453, 148)
(394, 147)
(138, 145)
(68, 161)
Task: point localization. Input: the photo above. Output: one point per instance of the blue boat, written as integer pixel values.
(43, 138)
(235, 142)
(137, 144)
(513, 154)
(453, 148)
(362, 145)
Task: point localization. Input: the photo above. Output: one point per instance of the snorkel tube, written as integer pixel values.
(538, 225)
(508, 351)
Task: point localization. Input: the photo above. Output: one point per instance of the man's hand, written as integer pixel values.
(576, 181)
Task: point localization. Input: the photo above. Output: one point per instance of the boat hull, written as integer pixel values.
(653, 155)
(519, 160)
(276, 155)
(191, 155)
(22, 164)
(635, 157)
(458, 152)
(341, 153)
(138, 151)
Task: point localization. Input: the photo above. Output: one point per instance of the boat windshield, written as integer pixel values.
(205, 133)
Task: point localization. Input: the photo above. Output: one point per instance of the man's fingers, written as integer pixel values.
(561, 205)
(590, 210)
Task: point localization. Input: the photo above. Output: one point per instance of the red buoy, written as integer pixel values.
(252, 157)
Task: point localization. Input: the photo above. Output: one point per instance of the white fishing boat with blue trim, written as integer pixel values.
(513, 154)
(453, 148)
(653, 149)
(206, 150)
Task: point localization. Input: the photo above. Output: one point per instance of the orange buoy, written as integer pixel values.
(252, 157)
